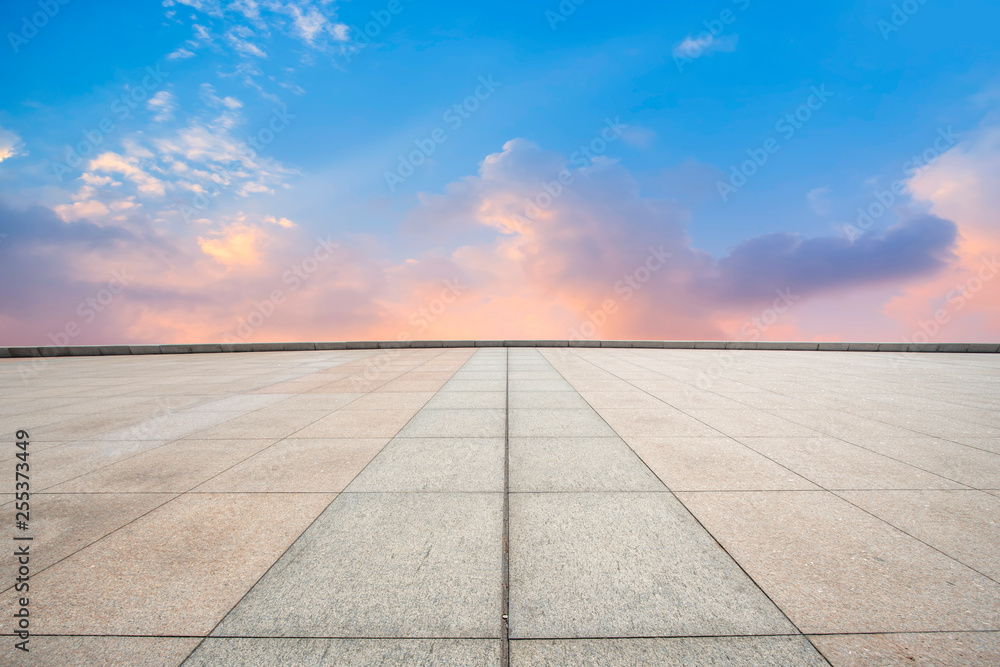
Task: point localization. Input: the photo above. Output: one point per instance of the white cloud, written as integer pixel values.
(162, 104)
(98, 181)
(819, 200)
(181, 54)
(281, 222)
(81, 209)
(10, 145)
(704, 44)
(114, 163)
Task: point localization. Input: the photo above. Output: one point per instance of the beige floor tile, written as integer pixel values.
(963, 524)
(713, 464)
(300, 464)
(358, 424)
(92, 651)
(269, 423)
(834, 568)
(835, 464)
(968, 649)
(63, 524)
(175, 467)
(663, 422)
(176, 571)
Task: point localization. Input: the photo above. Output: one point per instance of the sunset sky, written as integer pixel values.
(280, 170)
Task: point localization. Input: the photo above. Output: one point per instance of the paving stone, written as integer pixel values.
(356, 652)
(48, 651)
(162, 574)
(577, 464)
(688, 651)
(435, 464)
(624, 565)
(384, 565)
(938, 649)
(834, 568)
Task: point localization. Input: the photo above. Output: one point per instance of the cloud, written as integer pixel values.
(819, 200)
(705, 44)
(533, 260)
(10, 145)
(758, 267)
(281, 222)
(114, 163)
(963, 302)
(162, 104)
(557, 262)
(238, 244)
(80, 210)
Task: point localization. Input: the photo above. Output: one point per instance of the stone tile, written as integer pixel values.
(326, 401)
(577, 464)
(531, 400)
(463, 423)
(539, 385)
(400, 400)
(688, 651)
(58, 464)
(622, 399)
(664, 422)
(835, 464)
(839, 424)
(262, 424)
(239, 403)
(65, 523)
(175, 467)
(352, 652)
(833, 568)
(750, 422)
(358, 424)
(566, 422)
(963, 524)
(165, 567)
(385, 565)
(47, 651)
(435, 464)
(937, 649)
(475, 385)
(625, 565)
(169, 425)
(967, 465)
(471, 400)
(299, 464)
(713, 464)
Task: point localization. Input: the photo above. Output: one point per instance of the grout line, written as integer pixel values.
(505, 566)
(522, 639)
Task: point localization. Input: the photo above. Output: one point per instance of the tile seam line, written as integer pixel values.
(505, 562)
(305, 530)
(695, 518)
(523, 639)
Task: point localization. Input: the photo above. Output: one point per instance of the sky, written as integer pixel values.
(192, 171)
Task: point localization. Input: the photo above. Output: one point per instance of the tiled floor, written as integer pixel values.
(532, 506)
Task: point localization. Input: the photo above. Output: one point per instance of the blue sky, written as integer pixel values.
(698, 85)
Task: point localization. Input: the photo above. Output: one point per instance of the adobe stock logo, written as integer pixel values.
(30, 25)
